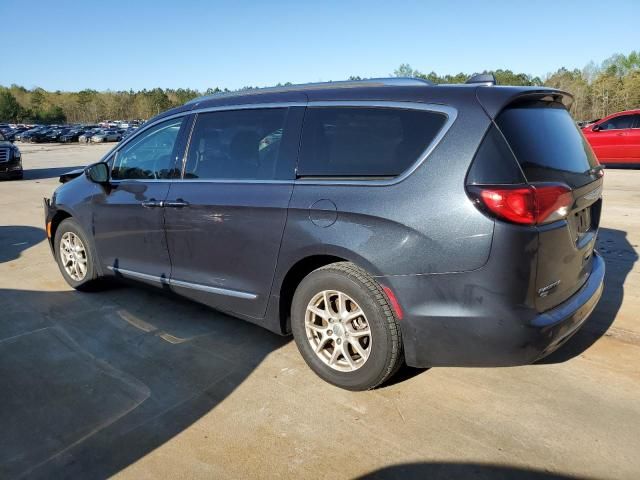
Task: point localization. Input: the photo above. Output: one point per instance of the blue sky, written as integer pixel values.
(122, 44)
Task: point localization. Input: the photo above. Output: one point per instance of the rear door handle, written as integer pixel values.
(179, 203)
(151, 203)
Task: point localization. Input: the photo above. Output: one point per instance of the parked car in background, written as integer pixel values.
(10, 160)
(26, 136)
(55, 134)
(42, 136)
(106, 136)
(86, 136)
(13, 134)
(71, 135)
(616, 139)
(379, 221)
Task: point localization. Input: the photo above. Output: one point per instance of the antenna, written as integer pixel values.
(486, 78)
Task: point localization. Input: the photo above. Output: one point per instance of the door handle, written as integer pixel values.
(179, 203)
(151, 203)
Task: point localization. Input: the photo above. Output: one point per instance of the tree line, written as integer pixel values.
(598, 89)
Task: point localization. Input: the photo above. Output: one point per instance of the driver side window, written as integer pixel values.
(618, 123)
(150, 156)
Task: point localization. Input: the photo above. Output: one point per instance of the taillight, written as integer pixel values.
(524, 204)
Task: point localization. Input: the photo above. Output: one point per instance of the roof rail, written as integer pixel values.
(370, 82)
(485, 78)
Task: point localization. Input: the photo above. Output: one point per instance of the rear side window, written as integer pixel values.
(364, 142)
(493, 163)
(547, 144)
(237, 144)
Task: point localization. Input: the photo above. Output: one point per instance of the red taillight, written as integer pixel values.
(526, 205)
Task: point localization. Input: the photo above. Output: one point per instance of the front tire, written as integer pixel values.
(74, 256)
(345, 327)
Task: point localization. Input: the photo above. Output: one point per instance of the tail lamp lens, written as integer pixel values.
(526, 205)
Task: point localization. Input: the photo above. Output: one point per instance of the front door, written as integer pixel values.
(610, 143)
(128, 214)
(226, 217)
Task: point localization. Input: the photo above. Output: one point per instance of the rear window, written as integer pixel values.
(547, 144)
(364, 142)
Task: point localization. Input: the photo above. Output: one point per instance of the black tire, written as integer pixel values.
(91, 278)
(386, 354)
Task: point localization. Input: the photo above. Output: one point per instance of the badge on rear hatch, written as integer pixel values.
(544, 291)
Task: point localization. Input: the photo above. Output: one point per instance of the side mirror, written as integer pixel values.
(98, 173)
(596, 128)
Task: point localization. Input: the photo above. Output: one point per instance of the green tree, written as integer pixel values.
(10, 110)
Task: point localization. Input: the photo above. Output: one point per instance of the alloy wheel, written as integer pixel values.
(73, 256)
(338, 331)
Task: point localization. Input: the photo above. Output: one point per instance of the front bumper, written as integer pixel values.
(9, 170)
(463, 320)
(49, 213)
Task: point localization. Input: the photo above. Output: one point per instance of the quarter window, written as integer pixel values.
(150, 155)
(364, 141)
(238, 144)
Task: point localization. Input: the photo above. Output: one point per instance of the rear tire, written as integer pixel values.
(75, 256)
(345, 327)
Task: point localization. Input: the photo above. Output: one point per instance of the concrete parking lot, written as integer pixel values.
(137, 383)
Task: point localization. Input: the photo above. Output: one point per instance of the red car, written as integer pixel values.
(616, 139)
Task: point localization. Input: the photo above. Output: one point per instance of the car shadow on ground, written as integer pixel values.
(451, 470)
(620, 257)
(91, 382)
(14, 239)
(43, 173)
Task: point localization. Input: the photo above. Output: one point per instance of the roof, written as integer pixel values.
(371, 82)
(492, 97)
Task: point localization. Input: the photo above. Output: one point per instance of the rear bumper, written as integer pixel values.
(464, 320)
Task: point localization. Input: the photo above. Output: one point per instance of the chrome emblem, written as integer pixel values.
(544, 291)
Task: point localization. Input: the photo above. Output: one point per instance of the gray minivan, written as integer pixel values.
(380, 221)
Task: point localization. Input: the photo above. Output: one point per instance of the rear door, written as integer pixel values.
(550, 149)
(225, 218)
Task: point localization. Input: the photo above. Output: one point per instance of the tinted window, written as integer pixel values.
(356, 141)
(238, 144)
(493, 163)
(618, 123)
(547, 144)
(150, 155)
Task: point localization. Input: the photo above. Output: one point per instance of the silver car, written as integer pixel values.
(106, 136)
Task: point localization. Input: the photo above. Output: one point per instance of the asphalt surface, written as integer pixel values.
(138, 383)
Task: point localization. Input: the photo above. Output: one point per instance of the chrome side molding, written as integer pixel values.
(180, 283)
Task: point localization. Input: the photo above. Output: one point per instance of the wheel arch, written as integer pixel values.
(303, 266)
(56, 220)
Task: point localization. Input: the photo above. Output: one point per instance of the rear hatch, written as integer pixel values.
(551, 150)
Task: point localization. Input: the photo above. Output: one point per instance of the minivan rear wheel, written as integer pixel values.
(74, 256)
(345, 327)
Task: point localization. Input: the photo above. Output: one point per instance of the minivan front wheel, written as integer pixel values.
(74, 255)
(345, 327)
